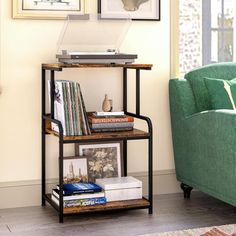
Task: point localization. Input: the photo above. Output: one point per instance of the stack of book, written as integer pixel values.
(69, 108)
(110, 121)
(80, 194)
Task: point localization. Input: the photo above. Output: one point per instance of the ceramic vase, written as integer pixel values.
(106, 105)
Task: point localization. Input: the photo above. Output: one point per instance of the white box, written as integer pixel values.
(121, 188)
(119, 183)
(123, 194)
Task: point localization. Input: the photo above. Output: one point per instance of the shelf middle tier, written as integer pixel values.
(129, 135)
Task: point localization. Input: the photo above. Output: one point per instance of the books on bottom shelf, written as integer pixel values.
(80, 202)
(79, 188)
(80, 194)
(121, 188)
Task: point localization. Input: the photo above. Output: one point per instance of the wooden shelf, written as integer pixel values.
(118, 205)
(60, 66)
(133, 134)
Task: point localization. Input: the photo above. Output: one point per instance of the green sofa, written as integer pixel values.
(204, 140)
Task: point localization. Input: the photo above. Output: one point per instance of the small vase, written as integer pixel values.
(106, 105)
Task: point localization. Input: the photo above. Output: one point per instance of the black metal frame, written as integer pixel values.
(62, 141)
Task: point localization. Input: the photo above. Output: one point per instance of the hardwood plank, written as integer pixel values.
(130, 204)
(60, 66)
(116, 205)
(171, 212)
(133, 134)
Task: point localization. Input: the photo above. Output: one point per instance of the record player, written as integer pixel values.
(89, 39)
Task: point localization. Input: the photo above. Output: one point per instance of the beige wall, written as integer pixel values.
(25, 44)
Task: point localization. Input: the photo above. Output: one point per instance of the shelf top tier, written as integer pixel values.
(61, 66)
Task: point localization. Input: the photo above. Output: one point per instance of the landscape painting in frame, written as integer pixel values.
(47, 9)
(133, 9)
(104, 159)
(75, 170)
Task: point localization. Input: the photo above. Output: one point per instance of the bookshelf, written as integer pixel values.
(124, 136)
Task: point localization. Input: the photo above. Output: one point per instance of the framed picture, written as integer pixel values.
(75, 169)
(104, 159)
(134, 9)
(47, 9)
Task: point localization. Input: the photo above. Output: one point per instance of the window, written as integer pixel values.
(206, 32)
(217, 22)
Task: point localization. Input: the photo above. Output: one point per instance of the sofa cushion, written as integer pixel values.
(219, 97)
(226, 71)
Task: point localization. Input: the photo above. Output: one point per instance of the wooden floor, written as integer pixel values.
(171, 212)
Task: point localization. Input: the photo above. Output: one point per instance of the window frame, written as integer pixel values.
(207, 30)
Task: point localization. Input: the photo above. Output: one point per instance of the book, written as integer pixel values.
(59, 111)
(112, 129)
(55, 192)
(112, 125)
(69, 109)
(86, 127)
(78, 188)
(114, 119)
(80, 202)
(109, 113)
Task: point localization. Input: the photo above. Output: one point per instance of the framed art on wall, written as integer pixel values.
(75, 170)
(104, 159)
(46, 9)
(133, 9)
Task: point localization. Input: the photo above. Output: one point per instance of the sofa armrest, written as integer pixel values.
(205, 155)
(215, 122)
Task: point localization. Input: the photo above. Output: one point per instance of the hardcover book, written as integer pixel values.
(112, 129)
(109, 113)
(114, 119)
(80, 202)
(78, 188)
(112, 125)
(55, 192)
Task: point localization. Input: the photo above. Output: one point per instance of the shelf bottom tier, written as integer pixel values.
(119, 205)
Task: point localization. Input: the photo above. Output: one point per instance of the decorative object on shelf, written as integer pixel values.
(47, 9)
(104, 159)
(121, 188)
(75, 170)
(106, 104)
(135, 9)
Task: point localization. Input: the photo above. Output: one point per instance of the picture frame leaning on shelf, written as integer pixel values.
(75, 170)
(46, 9)
(104, 159)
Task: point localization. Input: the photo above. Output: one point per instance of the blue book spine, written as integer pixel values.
(79, 188)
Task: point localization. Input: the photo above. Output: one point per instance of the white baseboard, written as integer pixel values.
(28, 193)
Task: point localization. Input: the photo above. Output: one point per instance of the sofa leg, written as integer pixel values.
(187, 190)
